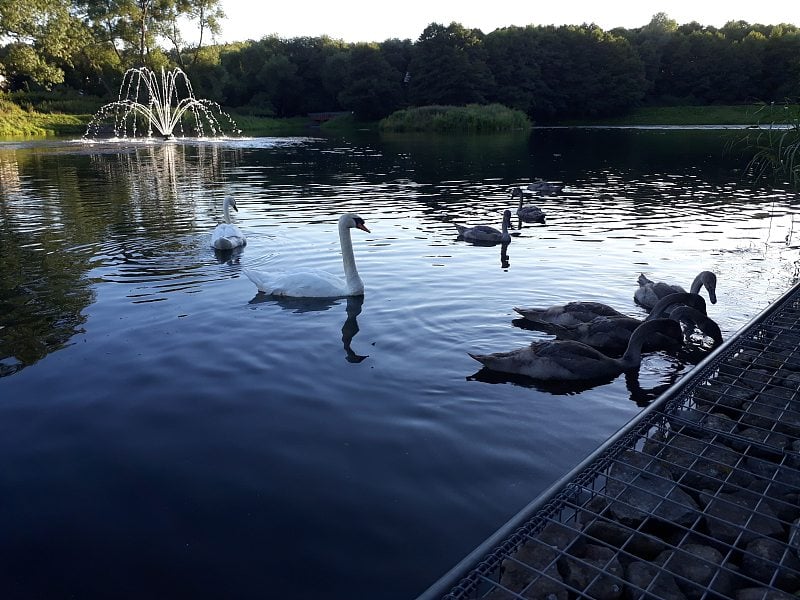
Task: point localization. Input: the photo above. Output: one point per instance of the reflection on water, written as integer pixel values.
(43, 284)
(353, 306)
(183, 415)
(350, 328)
(504, 260)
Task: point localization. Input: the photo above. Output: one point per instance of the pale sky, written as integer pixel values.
(376, 21)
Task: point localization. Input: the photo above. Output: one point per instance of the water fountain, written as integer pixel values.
(151, 105)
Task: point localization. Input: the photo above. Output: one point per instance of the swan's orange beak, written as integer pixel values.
(362, 227)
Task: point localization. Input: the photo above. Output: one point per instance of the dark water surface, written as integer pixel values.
(167, 432)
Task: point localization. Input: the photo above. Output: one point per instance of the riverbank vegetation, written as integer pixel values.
(776, 151)
(37, 121)
(551, 74)
(472, 118)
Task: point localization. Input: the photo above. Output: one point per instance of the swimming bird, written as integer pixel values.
(649, 292)
(545, 187)
(315, 283)
(529, 213)
(226, 235)
(569, 314)
(693, 318)
(485, 233)
(611, 334)
(571, 360)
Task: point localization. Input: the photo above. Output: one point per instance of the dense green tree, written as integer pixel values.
(650, 42)
(781, 66)
(513, 55)
(43, 36)
(206, 15)
(370, 86)
(312, 91)
(585, 72)
(449, 67)
(133, 28)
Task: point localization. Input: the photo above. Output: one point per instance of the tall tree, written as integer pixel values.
(133, 28)
(449, 67)
(513, 56)
(43, 36)
(370, 86)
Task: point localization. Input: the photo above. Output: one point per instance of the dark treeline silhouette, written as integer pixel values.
(548, 72)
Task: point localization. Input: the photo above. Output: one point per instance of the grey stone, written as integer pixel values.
(729, 516)
(695, 567)
(597, 572)
(763, 594)
(532, 571)
(658, 583)
(763, 561)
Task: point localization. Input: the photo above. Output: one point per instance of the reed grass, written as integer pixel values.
(472, 118)
(776, 149)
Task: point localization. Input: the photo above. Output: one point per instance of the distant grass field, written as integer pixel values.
(751, 114)
(33, 121)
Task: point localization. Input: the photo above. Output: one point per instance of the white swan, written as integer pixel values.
(529, 213)
(649, 292)
(487, 234)
(226, 235)
(570, 360)
(314, 283)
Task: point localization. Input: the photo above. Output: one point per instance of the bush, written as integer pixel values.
(473, 118)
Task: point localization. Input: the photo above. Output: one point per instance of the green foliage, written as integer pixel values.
(448, 66)
(472, 118)
(16, 122)
(260, 126)
(59, 101)
(370, 86)
(776, 150)
(548, 73)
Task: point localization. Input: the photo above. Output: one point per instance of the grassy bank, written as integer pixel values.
(750, 114)
(16, 122)
(58, 117)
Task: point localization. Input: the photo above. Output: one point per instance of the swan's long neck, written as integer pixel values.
(633, 353)
(226, 215)
(354, 283)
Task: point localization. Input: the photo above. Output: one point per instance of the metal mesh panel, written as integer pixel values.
(698, 498)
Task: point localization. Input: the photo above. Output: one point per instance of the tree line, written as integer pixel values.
(548, 72)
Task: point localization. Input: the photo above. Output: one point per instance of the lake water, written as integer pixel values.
(167, 432)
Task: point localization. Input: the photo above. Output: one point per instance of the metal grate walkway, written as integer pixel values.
(698, 497)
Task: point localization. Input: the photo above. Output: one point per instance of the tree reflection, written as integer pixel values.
(43, 288)
(64, 214)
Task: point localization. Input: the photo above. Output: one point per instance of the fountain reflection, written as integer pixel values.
(164, 105)
(350, 327)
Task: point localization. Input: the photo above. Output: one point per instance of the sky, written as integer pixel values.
(376, 21)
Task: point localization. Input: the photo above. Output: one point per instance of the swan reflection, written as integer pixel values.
(350, 327)
(504, 262)
(641, 396)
